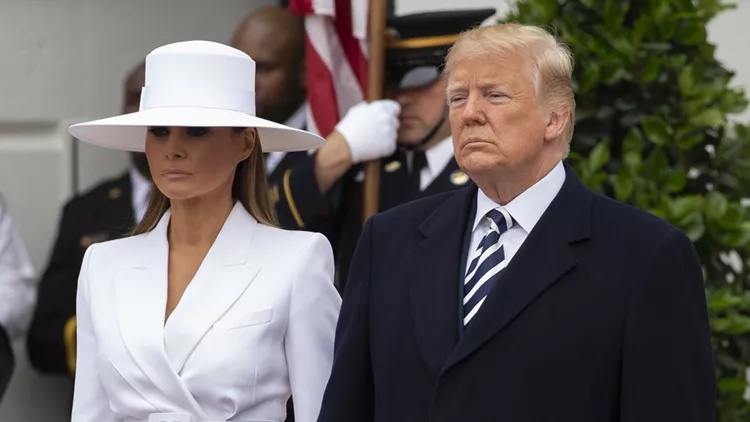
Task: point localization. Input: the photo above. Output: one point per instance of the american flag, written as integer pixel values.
(336, 58)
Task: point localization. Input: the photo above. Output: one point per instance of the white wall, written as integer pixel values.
(64, 61)
(729, 32)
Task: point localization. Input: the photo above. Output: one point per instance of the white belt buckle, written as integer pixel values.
(169, 417)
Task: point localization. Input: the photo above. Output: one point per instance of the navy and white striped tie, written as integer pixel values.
(486, 264)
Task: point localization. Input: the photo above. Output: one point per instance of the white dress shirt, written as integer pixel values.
(140, 194)
(526, 209)
(297, 121)
(17, 278)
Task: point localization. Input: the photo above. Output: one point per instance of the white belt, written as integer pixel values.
(169, 417)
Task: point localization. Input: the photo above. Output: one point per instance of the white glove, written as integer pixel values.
(371, 129)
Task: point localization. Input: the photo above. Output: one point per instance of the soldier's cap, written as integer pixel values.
(417, 44)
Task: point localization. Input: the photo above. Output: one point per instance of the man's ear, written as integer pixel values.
(556, 123)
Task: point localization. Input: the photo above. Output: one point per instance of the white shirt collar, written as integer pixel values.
(297, 121)
(439, 155)
(141, 189)
(528, 207)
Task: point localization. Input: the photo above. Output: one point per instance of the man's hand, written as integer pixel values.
(367, 132)
(371, 129)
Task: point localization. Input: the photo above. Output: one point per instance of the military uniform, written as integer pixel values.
(294, 189)
(104, 213)
(297, 199)
(414, 58)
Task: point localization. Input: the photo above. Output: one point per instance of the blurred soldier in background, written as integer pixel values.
(275, 40)
(108, 211)
(306, 185)
(423, 163)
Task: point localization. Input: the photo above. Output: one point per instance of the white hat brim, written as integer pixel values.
(128, 132)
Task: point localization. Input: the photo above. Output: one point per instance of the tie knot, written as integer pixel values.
(500, 220)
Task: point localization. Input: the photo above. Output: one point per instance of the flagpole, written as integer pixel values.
(375, 66)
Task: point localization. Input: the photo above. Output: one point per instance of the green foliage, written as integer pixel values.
(651, 130)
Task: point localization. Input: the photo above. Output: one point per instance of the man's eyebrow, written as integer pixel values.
(456, 87)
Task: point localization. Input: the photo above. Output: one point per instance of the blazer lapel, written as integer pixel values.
(544, 258)
(221, 279)
(141, 297)
(433, 289)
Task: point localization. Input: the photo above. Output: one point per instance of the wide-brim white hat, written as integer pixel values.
(195, 84)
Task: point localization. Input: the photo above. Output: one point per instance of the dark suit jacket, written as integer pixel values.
(391, 182)
(104, 213)
(600, 316)
(7, 361)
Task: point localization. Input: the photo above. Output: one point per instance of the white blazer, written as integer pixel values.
(255, 325)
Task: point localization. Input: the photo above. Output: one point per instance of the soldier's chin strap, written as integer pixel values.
(430, 134)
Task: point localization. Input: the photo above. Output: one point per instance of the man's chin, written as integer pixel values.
(478, 163)
(410, 140)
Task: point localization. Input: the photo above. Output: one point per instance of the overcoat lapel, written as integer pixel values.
(543, 259)
(433, 292)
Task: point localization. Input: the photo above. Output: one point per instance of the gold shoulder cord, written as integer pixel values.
(290, 200)
(69, 336)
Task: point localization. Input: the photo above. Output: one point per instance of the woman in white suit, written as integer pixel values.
(209, 312)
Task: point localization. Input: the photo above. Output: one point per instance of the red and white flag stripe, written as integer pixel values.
(336, 58)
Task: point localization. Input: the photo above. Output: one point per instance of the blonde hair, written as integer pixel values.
(250, 188)
(552, 62)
